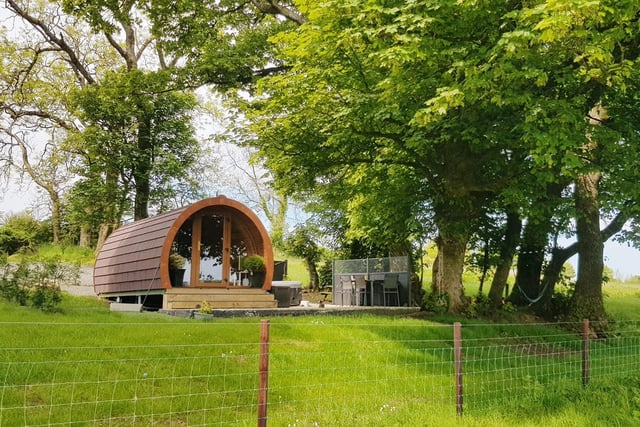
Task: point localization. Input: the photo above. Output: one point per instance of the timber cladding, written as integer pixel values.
(135, 257)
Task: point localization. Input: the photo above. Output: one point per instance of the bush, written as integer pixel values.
(253, 263)
(12, 282)
(35, 282)
(479, 307)
(11, 242)
(23, 233)
(46, 298)
(561, 300)
(437, 303)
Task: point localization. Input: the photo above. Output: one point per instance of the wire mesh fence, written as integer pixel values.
(319, 373)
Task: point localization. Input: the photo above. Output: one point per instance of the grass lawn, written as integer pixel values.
(87, 366)
(622, 299)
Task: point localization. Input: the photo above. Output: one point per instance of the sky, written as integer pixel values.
(624, 261)
(14, 200)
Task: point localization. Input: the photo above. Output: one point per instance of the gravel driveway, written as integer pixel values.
(85, 286)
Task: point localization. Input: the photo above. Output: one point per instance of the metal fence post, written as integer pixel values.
(263, 375)
(457, 354)
(585, 352)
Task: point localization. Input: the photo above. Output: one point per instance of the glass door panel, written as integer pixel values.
(238, 277)
(211, 249)
(183, 246)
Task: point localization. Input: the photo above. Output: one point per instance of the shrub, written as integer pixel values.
(46, 298)
(479, 307)
(176, 261)
(11, 241)
(561, 300)
(35, 282)
(437, 303)
(205, 308)
(13, 281)
(22, 232)
(253, 263)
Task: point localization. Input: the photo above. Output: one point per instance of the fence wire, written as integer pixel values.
(378, 375)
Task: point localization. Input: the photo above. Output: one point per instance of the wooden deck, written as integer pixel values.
(191, 298)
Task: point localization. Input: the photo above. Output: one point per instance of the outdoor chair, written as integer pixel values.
(360, 290)
(390, 287)
(347, 287)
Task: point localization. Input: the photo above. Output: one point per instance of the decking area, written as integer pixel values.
(191, 298)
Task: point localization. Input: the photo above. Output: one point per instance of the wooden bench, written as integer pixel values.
(325, 292)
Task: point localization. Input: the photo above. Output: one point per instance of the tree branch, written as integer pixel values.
(53, 39)
(272, 7)
(16, 114)
(114, 43)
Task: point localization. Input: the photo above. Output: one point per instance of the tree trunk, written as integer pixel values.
(561, 255)
(534, 243)
(530, 260)
(551, 277)
(485, 266)
(447, 274)
(278, 219)
(587, 301)
(111, 208)
(507, 252)
(85, 236)
(103, 233)
(55, 215)
(142, 170)
(314, 280)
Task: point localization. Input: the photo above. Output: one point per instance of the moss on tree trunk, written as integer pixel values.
(447, 271)
(587, 302)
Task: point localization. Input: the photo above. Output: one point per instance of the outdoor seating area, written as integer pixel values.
(372, 282)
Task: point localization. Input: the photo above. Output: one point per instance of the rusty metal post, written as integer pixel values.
(263, 375)
(457, 354)
(585, 352)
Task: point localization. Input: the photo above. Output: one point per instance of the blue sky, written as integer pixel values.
(623, 260)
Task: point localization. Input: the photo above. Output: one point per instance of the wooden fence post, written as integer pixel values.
(457, 354)
(585, 352)
(263, 376)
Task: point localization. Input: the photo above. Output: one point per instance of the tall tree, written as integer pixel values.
(582, 52)
(118, 53)
(138, 129)
(375, 95)
(34, 122)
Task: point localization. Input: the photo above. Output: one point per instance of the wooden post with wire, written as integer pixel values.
(263, 375)
(585, 352)
(457, 354)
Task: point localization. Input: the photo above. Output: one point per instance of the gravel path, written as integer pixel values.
(85, 287)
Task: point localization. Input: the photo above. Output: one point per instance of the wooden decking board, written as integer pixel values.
(220, 305)
(225, 291)
(221, 298)
(192, 298)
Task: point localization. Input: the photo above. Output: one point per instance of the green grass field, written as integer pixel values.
(87, 366)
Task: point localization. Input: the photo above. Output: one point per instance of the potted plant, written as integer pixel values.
(176, 268)
(254, 264)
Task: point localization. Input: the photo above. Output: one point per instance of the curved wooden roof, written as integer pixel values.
(135, 257)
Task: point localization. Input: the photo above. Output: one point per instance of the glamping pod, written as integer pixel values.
(215, 250)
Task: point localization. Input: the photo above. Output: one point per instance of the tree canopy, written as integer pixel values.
(441, 110)
(503, 122)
